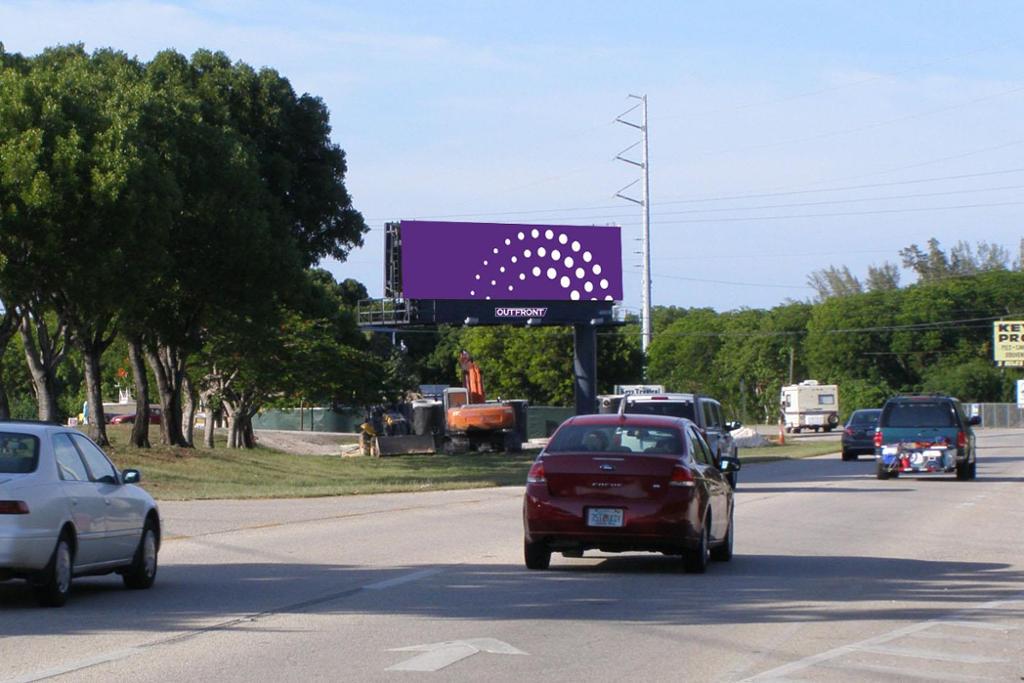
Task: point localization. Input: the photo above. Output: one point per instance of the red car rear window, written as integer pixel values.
(616, 439)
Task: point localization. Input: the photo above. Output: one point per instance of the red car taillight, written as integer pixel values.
(681, 476)
(878, 438)
(536, 475)
(13, 507)
(848, 431)
(961, 440)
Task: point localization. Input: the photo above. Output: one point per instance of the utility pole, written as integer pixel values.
(644, 202)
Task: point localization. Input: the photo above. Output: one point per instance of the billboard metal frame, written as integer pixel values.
(395, 312)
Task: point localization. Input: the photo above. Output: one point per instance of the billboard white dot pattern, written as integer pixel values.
(568, 265)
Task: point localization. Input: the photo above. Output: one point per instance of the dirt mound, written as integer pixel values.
(307, 443)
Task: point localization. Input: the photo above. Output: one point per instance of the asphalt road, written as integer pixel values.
(837, 577)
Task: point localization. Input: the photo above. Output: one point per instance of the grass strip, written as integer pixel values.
(171, 473)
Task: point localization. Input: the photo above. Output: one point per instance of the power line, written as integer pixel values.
(873, 212)
(729, 282)
(826, 202)
(722, 198)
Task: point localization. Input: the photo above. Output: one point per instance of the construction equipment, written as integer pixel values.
(459, 421)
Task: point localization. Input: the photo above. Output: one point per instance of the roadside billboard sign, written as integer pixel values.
(1008, 342)
(510, 262)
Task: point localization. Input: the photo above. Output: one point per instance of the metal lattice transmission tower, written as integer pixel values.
(645, 204)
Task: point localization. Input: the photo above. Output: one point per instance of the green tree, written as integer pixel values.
(262, 195)
(682, 356)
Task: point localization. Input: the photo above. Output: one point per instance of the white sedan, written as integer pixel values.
(66, 511)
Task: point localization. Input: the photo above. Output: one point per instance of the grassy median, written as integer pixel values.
(199, 473)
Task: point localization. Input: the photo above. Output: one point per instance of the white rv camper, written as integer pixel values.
(810, 405)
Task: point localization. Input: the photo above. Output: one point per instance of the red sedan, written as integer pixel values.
(129, 418)
(620, 483)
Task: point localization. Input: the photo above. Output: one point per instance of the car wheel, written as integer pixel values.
(723, 552)
(849, 455)
(537, 555)
(883, 471)
(142, 572)
(696, 560)
(963, 471)
(54, 583)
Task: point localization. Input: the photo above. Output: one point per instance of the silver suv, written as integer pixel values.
(704, 411)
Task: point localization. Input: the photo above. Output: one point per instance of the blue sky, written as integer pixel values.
(784, 136)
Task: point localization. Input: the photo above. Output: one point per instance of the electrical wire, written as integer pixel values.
(723, 198)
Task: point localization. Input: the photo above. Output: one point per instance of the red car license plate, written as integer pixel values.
(604, 517)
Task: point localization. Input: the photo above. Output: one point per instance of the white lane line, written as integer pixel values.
(897, 673)
(980, 625)
(807, 662)
(933, 655)
(75, 666)
(947, 637)
(125, 653)
(780, 672)
(399, 580)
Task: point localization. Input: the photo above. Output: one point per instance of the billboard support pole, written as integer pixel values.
(584, 366)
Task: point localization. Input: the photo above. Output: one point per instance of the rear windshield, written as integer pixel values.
(867, 419)
(670, 408)
(615, 439)
(920, 414)
(19, 453)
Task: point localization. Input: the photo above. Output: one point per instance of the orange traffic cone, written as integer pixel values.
(782, 434)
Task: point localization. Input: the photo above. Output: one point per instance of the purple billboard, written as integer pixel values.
(504, 261)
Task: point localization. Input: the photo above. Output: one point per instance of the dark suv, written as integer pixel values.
(923, 435)
(704, 411)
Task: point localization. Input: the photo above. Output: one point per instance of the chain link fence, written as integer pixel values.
(997, 415)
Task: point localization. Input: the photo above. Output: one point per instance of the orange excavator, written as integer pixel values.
(474, 423)
(465, 421)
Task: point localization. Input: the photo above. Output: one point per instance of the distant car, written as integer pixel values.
(859, 433)
(703, 411)
(925, 435)
(66, 511)
(621, 483)
(129, 418)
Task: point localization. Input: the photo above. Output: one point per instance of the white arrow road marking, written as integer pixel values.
(437, 656)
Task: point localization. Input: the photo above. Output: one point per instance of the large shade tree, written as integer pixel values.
(76, 192)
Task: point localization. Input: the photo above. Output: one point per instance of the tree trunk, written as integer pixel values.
(248, 435)
(169, 367)
(97, 425)
(140, 429)
(43, 358)
(211, 416)
(8, 326)
(230, 415)
(5, 405)
(91, 341)
(191, 399)
(210, 426)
